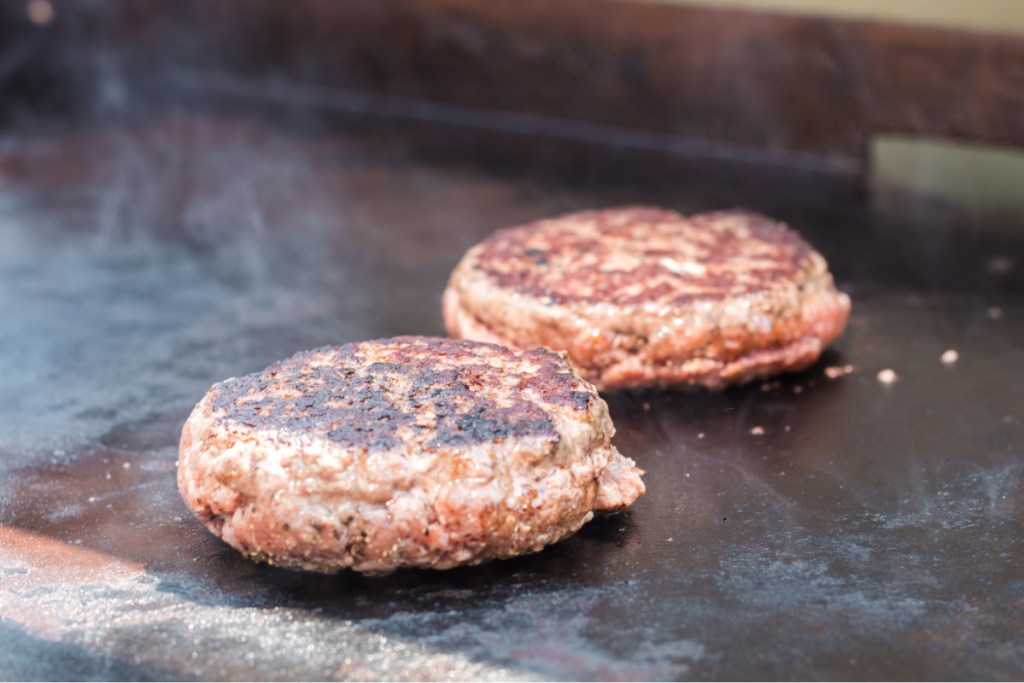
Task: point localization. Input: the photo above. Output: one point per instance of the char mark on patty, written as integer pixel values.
(405, 393)
(637, 255)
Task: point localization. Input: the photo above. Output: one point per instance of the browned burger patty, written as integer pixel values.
(400, 452)
(642, 296)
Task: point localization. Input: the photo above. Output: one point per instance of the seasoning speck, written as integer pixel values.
(995, 313)
(950, 357)
(647, 406)
(757, 431)
(888, 376)
(700, 435)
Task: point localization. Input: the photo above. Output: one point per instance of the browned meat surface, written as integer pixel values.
(402, 452)
(643, 296)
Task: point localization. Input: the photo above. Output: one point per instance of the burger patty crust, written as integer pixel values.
(642, 296)
(411, 451)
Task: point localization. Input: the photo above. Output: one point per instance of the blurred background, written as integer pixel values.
(922, 96)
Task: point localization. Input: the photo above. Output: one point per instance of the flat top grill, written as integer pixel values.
(802, 527)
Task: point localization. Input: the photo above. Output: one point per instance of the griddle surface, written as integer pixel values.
(870, 531)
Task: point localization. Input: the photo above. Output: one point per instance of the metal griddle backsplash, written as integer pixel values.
(805, 527)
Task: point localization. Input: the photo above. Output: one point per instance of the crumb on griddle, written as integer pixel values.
(888, 376)
(836, 371)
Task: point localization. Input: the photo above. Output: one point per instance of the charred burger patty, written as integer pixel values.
(642, 296)
(410, 451)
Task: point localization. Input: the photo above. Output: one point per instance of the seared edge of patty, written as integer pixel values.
(671, 340)
(301, 492)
